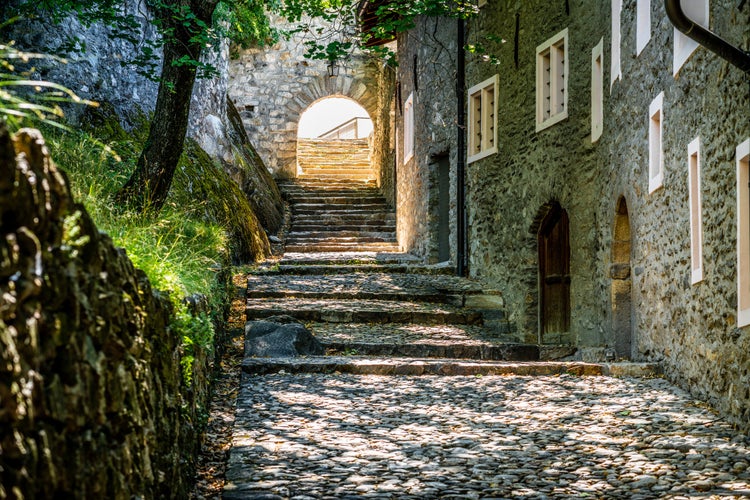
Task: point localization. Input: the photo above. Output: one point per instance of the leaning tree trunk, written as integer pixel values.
(148, 186)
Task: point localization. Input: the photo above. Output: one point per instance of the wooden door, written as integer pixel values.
(554, 275)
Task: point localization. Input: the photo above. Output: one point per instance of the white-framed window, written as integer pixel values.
(694, 200)
(615, 70)
(743, 234)
(483, 119)
(552, 81)
(409, 128)
(597, 91)
(655, 146)
(643, 25)
(697, 11)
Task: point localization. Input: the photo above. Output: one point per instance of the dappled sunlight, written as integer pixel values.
(508, 436)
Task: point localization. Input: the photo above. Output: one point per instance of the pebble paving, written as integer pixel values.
(312, 436)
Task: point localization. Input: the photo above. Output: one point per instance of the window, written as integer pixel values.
(694, 200)
(409, 128)
(615, 71)
(483, 119)
(697, 11)
(643, 26)
(655, 148)
(597, 92)
(552, 81)
(743, 234)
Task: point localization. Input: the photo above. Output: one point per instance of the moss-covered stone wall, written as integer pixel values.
(93, 400)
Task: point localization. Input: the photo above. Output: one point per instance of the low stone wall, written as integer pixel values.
(90, 380)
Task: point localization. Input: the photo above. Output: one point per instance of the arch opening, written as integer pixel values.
(621, 283)
(335, 117)
(334, 141)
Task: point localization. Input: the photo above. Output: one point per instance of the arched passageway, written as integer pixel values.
(621, 283)
(335, 141)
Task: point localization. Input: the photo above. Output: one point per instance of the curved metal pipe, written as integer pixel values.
(708, 39)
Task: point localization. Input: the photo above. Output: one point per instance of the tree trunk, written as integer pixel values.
(148, 186)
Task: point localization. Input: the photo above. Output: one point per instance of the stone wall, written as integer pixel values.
(427, 70)
(273, 86)
(690, 328)
(96, 73)
(93, 401)
(508, 192)
(629, 250)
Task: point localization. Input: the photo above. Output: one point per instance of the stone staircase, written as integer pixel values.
(338, 216)
(378, 311)
(334, 159)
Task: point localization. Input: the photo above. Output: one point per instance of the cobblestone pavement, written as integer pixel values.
(344, 436)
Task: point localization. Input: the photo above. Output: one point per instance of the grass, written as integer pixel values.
(179, 250)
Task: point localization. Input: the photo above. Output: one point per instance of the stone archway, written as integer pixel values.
(272, 87)
(621, 283)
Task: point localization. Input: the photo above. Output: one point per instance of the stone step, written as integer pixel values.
(448, 367)
(335, 232)
(345, 218)
(361, 311)
(340, 209)
(351, 247)
(306, 269)
(354, 199)
(316, 170)
(332, 177)
(381, 286)
(371, 226)
(350, 258)
(339, 240)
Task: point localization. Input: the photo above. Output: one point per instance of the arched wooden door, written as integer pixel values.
(554, 275)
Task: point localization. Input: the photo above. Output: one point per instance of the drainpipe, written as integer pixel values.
(461, 246)
(708, 39)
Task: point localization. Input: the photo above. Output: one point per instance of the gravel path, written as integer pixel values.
(340, 436)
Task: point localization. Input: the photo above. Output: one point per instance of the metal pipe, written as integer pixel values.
(708, 39)
(461, 236)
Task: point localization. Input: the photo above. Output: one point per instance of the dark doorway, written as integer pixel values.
(619, 272)
(554, 275)
(444, 202)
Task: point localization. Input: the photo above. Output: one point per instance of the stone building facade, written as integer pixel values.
(603, 194)
(425, 176)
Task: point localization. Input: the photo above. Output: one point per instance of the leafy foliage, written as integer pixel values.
(343, 35)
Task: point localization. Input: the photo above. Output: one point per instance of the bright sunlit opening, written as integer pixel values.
(335, 117)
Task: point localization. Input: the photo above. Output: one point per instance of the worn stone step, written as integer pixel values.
(348, 218)
(501, 352)
(330, 209)
(382, 286)
(349, 257)
(335, 199)
(340, 240)
(448, 367)
(351, 247)
(367, 226)
(306, 269)
(328, 232)
(361, 311)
